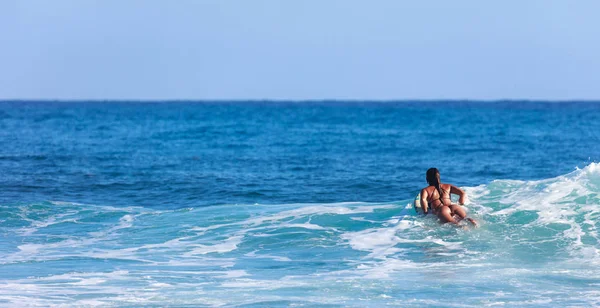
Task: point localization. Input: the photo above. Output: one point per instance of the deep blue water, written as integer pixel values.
(196, 154)
(296, 203)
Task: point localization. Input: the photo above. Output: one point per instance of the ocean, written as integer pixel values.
(297, 204)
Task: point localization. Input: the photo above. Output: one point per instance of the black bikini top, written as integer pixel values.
(439, 196)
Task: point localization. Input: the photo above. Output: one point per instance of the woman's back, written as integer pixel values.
(434, 198)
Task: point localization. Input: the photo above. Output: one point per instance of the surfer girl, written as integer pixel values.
(436, 198)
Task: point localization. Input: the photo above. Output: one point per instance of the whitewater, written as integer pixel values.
(537, 244)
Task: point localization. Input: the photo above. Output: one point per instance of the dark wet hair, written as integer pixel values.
(433, 179)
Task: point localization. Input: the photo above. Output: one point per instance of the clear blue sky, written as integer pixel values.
(299, 49)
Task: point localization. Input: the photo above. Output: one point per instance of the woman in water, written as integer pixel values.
(436, 197)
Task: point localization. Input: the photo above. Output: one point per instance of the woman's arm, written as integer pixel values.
(424, 204)
(462, 195)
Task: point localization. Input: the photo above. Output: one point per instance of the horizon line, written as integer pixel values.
(324, 100)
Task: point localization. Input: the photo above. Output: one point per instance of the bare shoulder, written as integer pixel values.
(455, 190)
(446, 186)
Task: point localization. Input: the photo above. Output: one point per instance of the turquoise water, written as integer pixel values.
(255, 204)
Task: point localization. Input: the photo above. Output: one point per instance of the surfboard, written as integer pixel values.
(417, 204)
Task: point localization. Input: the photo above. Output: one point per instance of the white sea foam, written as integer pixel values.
(124, 222)
(301, 211)
(229, 244)
(570, 200)
(309, 210)
(263, 284)
(307, 225)
(36, 225)
(267, 256)
(335, 259)
(380, 270)
(381, 242)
